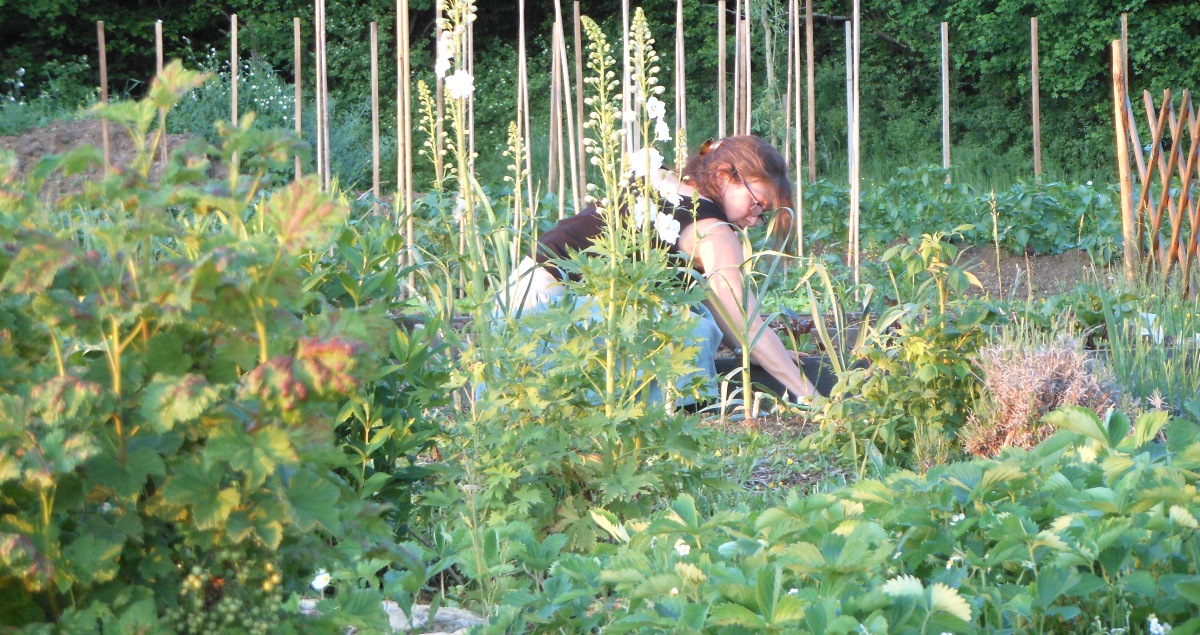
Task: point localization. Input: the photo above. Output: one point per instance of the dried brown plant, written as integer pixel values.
(1023, 381)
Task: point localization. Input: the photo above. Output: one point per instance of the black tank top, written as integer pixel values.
(578, 232)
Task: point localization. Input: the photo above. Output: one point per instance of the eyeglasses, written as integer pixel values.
(762, 210)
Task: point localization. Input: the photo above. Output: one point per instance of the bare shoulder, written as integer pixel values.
(712, 242)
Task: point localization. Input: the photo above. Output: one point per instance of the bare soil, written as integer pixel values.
(61, 137)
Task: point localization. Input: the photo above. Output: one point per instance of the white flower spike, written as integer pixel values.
(460, 84)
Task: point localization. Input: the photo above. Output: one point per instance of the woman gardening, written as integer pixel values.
(730, 184)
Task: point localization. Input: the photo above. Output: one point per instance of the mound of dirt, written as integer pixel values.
(60, 137)
(1022, 276)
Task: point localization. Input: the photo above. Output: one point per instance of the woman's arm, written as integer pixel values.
(719, 251)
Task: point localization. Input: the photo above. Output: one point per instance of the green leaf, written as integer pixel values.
(903, 586)
(169, 400)
(255, 454)
(92, 559)
(1148, 425)
(34, 267)
(313, 500)
(199, 488)
(728, 614)
(947, 600)
(1080, 420)
(609, 523)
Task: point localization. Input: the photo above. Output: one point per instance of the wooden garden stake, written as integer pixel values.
(736, 127)
(523, 125)
(747, 82)
(298, 98)
(855, 186)
(162, 112)
(554, 182)
(946, 98)
(233, 69)
(812, 104)
(103, 94)
(404, 163)
(375, 115)
(1128, 231)
(721, 89)
(318, 93)
(788, 92)
(1125, 43)
(574, 152)
(579, 100)
(470, 58)
(798, 161)
(1037, 98)
(680, 87)
(325, 97)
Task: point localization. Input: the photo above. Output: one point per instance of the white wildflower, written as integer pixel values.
(662, 132)
(629, 116)
(460, 208)
(952, 560)
(955, 519)
(1089, 183)
(460, 84)
(646, 162)
(21, 72)
(1156, 627)
(641, 207)
(445, 53)
(321, 580)
(668, 230)
(674, 591)
(669, 189)
(683, 549)
(793, 591)
(655, 108)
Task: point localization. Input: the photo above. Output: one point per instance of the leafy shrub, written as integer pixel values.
(169, 397)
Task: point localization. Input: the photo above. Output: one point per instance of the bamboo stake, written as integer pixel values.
(791, 63)
(233, 69)
(812, 104)
(104, 94)
(1127, 221)
(404, 164)
(579, 101)
(680, 86)
(632, 140)
(325, 97)
(736, 128)
(721, 89)
(856, 183)
(162, 112)
(523, 125)
(554, 182)
(798, 162)
(298, 99)
(747, 79)
(470, 58)
(1037, 98)
(318, 93)
(375, 191)
(850, 139)
(946, 98)
(573, 150)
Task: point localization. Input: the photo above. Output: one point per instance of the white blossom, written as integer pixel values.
(445, 53)
(460, 207)
(460, 84)
(662, 132)
(641, 207)
(646, 162)
(669, 190)
(683, 549)
(668, 231)
(655, 108)
(1156, 627)
(321, 580)
(628, 116)
(674, 591)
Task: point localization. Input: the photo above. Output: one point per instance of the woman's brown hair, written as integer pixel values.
(749, 157)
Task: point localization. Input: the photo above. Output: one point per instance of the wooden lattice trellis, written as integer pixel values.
(1165, 180)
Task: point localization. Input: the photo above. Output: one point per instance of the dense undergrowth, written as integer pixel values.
(208, 412)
